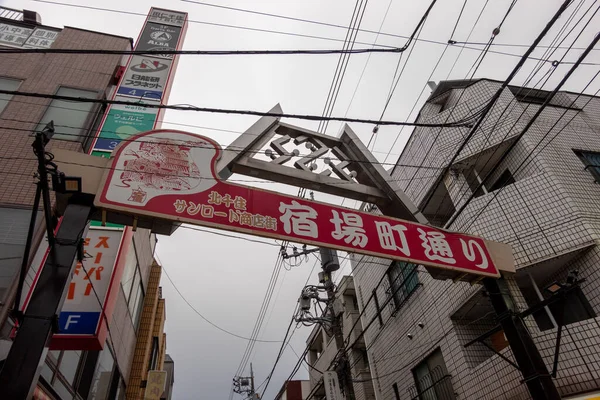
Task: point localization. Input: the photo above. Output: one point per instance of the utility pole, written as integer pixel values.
(330, 263)
(28, 351)
(528, 358)
(251, 380)
(245, 385)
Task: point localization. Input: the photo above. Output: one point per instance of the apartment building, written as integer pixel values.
(116, 364)
(437, 339)
(323, 349)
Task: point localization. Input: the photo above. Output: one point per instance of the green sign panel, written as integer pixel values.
(124, 121)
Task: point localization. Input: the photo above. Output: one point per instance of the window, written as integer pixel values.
(432, 381)
(403, 281)
(504, 180)
(62, 371)
(591, 160)
(131, 282)
(68, 365)
(13, 235)
(70, 118)
(474, 180)
(153, 361)
(107, 382)
(7, 84)
(377, 307)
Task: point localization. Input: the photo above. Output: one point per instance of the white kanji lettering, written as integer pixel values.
(298, 218)
(468, 248)
(436, 246)
(349, 228)
(387, 237)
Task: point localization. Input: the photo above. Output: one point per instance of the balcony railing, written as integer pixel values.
(436, 385)
(10, 13)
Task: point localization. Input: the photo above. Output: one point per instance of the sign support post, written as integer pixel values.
(343, 369)
(19, 374)
(528, 358)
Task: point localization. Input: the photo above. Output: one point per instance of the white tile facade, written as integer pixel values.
(552, 208)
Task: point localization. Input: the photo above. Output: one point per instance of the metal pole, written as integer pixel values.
(20, 372)
(252, 380)
(530, 362)
(344, 374)
(39, 150)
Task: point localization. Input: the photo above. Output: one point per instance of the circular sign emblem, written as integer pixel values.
(161, 36)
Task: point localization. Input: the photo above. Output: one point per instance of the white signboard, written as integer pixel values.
(18, 36)
(332, 386)
(41, 39)
(13, 35)
(167, 17)
(146, 78)
(82, 311)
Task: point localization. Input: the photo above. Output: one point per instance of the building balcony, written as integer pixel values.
(352, 328)
(520, 215)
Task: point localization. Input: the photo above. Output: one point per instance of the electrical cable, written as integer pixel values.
(279, 354)
(426, 83)
(523, 131)
(547, 55)
(291, 33)
(215, 110)
(514, 102)
(343, 61)
(526, 161)
(497, 94)
(321, 23)
(484, 111)
(262, 313)
(209, 321)
(124, 138)
(368, 59)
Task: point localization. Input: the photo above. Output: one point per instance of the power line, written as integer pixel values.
(498, 92)
(215, 24)
(368, 59)
(526, 161)
(321, 23)
(209, 321)
(279, 354)
(217, 110)
(535, 70)
(262, 312)
(523, 131)
(343, 60)
(198, 52)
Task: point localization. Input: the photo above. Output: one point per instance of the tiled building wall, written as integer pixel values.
(44, 73)
(143, 346)
(551, 208)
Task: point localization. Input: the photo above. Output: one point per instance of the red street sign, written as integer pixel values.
(171, 175)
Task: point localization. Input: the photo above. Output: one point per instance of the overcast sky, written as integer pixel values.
(223, 278)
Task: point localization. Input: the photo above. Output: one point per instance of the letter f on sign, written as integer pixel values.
(72, 319)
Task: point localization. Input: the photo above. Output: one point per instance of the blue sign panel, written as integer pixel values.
(78, 322)
(106, 144)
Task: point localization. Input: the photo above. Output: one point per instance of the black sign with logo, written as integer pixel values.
(159, 37)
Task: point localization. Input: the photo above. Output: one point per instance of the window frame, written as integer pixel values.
(402, 292)
(9, 78)
(434, 363)
(593, 169)
(86, 130)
